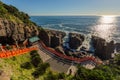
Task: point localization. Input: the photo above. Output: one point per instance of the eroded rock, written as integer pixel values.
(75, 40)
(103, 49)
(52, 38)
(15, 31)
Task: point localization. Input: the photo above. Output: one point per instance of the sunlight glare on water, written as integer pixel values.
(106, 27)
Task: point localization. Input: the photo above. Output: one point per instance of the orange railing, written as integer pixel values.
(10, 53)
(78, 60)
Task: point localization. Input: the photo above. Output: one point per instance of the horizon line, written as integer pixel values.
(73, 15)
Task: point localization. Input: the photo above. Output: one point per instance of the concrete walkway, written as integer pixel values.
(59, 65)
(55, 64)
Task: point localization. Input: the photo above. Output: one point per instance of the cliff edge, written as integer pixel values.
(15, 25)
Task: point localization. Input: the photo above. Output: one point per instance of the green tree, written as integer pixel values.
(102, 73)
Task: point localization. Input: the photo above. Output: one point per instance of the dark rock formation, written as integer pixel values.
(44, 36)
(117, 45)
(75, 40)
(103, 49)
(68, 52)
(56, 38)
(55, 41)
(12, 31)
(52, 38)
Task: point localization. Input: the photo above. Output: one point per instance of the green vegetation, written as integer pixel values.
(11, 13)
(42, 70)
(26, 65)
(12, 67)
(21, 68)
(30, 66)
(101, 72)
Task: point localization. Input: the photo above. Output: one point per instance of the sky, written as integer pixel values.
(67, 7)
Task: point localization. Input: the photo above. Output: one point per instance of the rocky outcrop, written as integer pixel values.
(75, 40)
(44, 36)
(11, 31)
(103, 49)
(56, 38)
(68, 52)
(60, 49)
(117, 46)
(55, 41)
(52, 38)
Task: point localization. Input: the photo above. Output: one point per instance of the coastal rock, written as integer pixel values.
(44, 36)
(117, 46)
(68, 52)
(12, 31)
(55, 38)
(75, 40)
(55, 41)
(103, 49)
(52, 38)
(60, 49)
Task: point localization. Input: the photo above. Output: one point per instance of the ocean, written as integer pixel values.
(107, 27)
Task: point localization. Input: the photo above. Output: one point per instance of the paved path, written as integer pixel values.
(58, 64)
(55, 64)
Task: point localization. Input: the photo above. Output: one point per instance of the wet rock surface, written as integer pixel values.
(117, 46)
(75, 40)
(103, 49)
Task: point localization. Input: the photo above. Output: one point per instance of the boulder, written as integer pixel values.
(103, 49)
(75, 40)
(60, 49)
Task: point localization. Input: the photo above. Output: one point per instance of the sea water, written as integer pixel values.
(106, 27)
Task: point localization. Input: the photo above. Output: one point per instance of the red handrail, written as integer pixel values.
(79, 60)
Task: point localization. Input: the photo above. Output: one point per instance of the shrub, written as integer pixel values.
(34, 53)
(13, 58)
(26, 65)
(61, 75)
(36, 60)
(35, 74)
(40, 70)
(96, 74)
(51, 76)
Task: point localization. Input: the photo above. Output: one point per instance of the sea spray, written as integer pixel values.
(88, 44)
(66, 40)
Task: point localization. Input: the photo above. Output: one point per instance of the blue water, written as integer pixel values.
(105, 27)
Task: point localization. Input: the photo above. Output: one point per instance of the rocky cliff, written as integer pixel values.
(103, 49)
(12, 31)
(52, 38)
(15, 25)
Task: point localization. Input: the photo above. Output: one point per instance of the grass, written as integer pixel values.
(11, 66)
